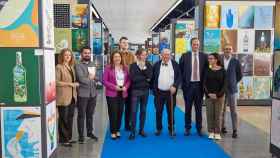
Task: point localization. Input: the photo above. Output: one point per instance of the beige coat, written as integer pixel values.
(64, 90)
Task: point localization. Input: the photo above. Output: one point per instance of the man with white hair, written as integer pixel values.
(165, 82)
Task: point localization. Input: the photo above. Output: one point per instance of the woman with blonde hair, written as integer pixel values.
(66, 95)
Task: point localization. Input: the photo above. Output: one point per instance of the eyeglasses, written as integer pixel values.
(228, 48)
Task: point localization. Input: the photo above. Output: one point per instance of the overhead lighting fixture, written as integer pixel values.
(166, 14)
(94, 12)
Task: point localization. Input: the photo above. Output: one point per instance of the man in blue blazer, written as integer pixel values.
(234, 75)
(165, 82)
(193, 65)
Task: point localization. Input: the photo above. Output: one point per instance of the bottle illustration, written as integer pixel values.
(262, 42)
(246, 43)
(19, 74)
(249, 91)
(229, 19)
(241, 90)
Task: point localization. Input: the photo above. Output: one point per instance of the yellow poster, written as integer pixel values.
(19, 23)
(212, 16)
(181, 46)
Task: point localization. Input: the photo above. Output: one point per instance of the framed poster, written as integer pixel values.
(50, 82)
(48, 23)
(246, 17)
(261, 87)
(80, 16)
(276, 75)
(19, 27)
(229, 37)
(246, 41)
(246, 61)
(51, 125)
(155, 43)
(20, 85)
(263, 42)
(262, 64)
(212, 16)
(21, 132)
(212, 41)
(263, 18)
(245, 88)
(97, 38)
(164, 41)
(229, 17)
(63, 39)
(277, 27)
(275, 123)
(79, 39)
(62, 15)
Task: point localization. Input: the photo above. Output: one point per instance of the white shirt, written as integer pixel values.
(120, 77)
(226, 62)
(166, 76)
(198, 73)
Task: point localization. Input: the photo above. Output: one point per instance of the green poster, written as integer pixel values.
(62, 38)
(79, 39)
(19, 84)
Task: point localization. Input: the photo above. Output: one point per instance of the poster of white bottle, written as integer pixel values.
(19, 76)
(246, 41)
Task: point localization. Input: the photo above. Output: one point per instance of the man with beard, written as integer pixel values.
(85, 72)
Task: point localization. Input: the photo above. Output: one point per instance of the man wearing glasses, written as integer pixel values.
(234, 75)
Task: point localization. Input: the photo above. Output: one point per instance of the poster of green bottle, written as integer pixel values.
(79, 39)
(20, 84)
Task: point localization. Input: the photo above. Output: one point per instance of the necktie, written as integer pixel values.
(195, 67)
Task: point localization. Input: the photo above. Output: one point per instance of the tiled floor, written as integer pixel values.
(253, 141)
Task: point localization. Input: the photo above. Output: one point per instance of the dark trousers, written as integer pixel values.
(115, 111)
(164, 98)
(135, 102)
(193, 95)
(86, 108)
(65, 122)
(127, 110)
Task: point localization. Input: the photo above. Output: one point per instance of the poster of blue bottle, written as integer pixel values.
(212, 41)
(97, 38)
(246, 17)
(21, 132)
(263, 17)
(229, 17)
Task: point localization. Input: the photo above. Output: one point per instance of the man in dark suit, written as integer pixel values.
(165, 82)
(234, 75)
(193, 65)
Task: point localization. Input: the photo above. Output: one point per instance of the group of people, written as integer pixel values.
(128, 79)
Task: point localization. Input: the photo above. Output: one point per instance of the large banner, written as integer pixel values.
(21, 132)
(19, 23)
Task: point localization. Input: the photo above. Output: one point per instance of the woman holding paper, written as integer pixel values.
(66, 97)
(116, 81)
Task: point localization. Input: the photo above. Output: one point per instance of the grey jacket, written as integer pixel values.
(87, 87)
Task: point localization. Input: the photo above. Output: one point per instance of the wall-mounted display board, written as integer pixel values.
(164, 40)
(80, 16)
(21, 83)
(248, 27)
(19, 23)
(97, 38)
(21, 132)
(51, 127)
(155, 43)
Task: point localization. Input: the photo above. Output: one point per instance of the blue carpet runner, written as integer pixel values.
(163, 146)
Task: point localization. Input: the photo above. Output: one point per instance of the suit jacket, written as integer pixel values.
(64, 92)
(110, 83)
(186, 68)
(156, 71)
(234, 75)
(87, 87)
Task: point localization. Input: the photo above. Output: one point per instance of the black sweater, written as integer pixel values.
(215, 82)
(140, 79)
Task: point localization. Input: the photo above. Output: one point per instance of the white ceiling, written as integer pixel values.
(131, 18)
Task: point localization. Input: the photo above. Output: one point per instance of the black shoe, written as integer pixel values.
(158, 133)
(131, 136)
(143, 134)
(224, 130)
(187, 132)
(81, 140)
(67, 144)
(92, 136)
(234, 134)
